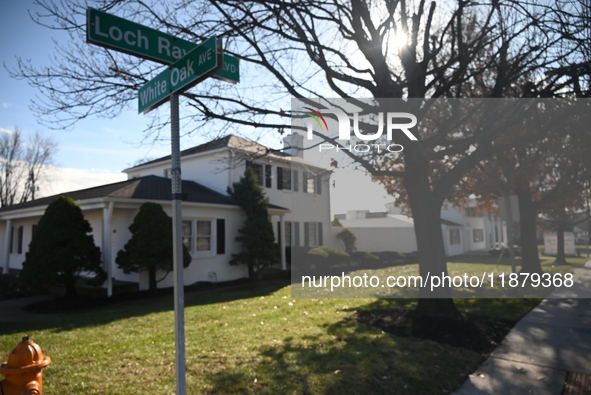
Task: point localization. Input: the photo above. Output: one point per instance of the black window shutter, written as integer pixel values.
(320, 241)
(279, 177)
(221, 236)
(295, 180)
(11, 238)
(318, 184)
(20, 239)
(268, 176)
(306, 234)
(296, 231)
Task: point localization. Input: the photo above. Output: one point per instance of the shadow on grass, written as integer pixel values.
(349, 358)
(101, 310)
(484, 260)
(352, 357)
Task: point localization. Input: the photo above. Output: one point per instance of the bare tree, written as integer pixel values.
(23, 165)
(571, 19)
(548, 176)
(311, 48)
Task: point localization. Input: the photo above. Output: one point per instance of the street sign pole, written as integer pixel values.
(177, 229)
(190, 63)
(198, 64)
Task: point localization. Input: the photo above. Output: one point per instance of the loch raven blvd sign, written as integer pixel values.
(129, 37)
(200, 63)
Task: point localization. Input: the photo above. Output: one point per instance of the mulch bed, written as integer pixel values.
(85, 302)
(476, 333)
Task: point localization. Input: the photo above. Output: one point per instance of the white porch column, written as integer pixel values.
(282, 241)
(6, 257)
(106, 247)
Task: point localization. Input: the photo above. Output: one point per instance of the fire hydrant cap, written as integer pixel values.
(27, 355)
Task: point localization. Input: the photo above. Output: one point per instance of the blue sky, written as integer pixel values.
(95, 151)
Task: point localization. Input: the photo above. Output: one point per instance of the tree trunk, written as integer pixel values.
(152, 284)
(530, 260)
(560, 256)
(426, 213)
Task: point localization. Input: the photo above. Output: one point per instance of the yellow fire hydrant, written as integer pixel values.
(23, 370)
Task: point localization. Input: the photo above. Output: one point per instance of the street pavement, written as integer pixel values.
(547, 343)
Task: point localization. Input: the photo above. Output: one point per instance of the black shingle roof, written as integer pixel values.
(144, 188)
(449, 223)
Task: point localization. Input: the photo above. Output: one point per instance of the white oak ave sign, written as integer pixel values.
(200, 63)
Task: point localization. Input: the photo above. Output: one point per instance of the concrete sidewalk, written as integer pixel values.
(549, 342)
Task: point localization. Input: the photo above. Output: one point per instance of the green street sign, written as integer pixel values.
(231, 70)
(200, 63)
(119, 34)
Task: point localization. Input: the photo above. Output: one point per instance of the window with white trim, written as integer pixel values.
(478, 235)
(309, 182)
(313, 234)
(258, 170)
(312, 183)
(188, 235)
(283, 178)
(264, 173)
(204, 236)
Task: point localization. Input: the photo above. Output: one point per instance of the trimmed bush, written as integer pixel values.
(318, 252)
(11, 287)
(319, 257)
(259, 249)
(389, 257)
(496, 252)
(364, 257)
(330, 256)
(348, 238)
(151, 245)
(62, 249)
(411, 257)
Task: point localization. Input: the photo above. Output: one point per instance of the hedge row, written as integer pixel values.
(327, 256)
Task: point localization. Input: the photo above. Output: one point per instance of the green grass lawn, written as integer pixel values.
(260, 341)
(245, 342)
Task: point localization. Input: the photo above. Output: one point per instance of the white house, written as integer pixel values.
(380, 231)
(463, 230)
(297, 190)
